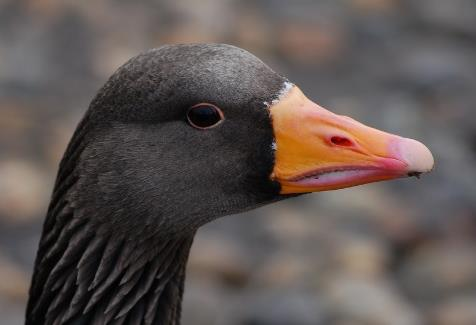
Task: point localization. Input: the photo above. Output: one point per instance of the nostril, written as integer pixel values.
(341, 141)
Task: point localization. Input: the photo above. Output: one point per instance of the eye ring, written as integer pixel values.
(204, 116)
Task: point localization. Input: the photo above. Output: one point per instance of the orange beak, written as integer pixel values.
(317, 150)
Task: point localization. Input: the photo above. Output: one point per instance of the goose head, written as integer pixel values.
(209, 130)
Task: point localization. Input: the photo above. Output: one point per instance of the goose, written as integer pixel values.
(177, 137)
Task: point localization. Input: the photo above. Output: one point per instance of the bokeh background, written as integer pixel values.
(401, 253)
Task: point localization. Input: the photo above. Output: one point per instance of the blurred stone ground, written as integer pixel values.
(393, 253)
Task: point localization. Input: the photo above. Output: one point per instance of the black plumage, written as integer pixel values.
(137, 181)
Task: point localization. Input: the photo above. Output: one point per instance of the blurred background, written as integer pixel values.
(401, 252)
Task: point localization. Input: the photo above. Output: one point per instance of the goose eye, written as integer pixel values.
(204, 116)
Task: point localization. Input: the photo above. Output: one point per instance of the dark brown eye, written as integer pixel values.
(204, 116)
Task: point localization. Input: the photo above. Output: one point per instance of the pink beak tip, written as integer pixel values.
(416, 155)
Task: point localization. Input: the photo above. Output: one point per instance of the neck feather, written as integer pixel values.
(85, 275)
(92, 271)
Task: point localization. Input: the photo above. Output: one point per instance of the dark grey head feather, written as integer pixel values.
(137, 181)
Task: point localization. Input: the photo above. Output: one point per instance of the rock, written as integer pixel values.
(12, 313)
(56, 141)
(219, 259)
(317, 44)
(374, 6)
(14, 282)
(437, 270)
(204, 302)
(289, 224)
(368, 301)
(16, 125)
(361, 255)
(15, 120)
(429, 65)
(24, 190)
(285, 270)
(252, 31)
(279, 307)
(455, 311)
(455, 16)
